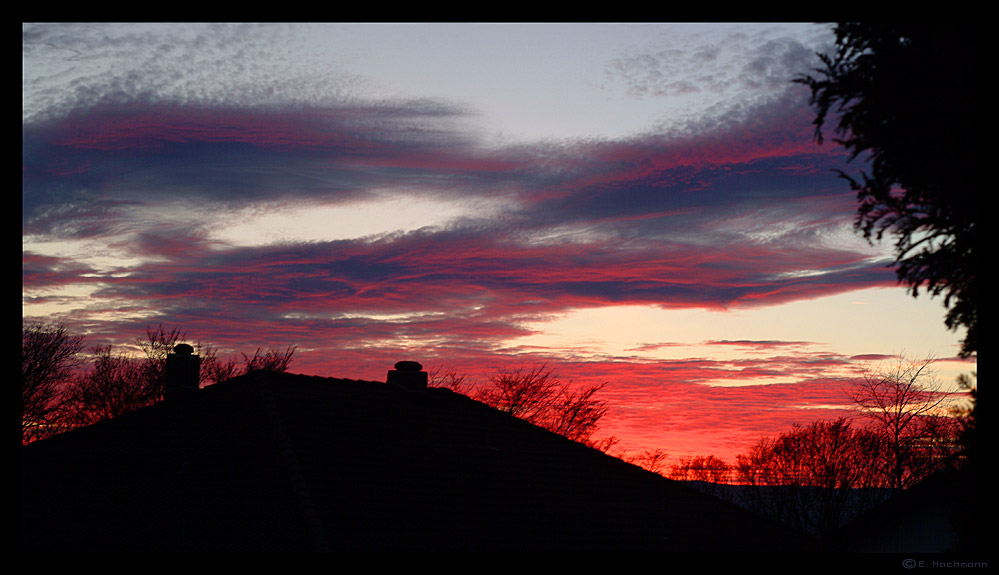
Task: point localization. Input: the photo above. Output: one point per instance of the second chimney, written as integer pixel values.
(408, 375)
(182, 372)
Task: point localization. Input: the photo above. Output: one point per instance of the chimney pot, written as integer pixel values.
(408, 375)
(182, 372)
(408, 366)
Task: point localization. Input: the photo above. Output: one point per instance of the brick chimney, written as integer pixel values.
(408, 375)
(182, 372)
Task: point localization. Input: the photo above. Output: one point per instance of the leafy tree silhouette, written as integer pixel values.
(905, 96)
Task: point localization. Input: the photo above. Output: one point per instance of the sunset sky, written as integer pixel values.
(641, 204)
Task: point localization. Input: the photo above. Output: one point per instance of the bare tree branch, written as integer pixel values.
(49, 357)
(273, 360)
(907, 405)
(115, 385)
(814, 477)
(538, 396)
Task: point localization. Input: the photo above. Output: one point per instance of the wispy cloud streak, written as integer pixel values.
(716, 220)
(133, 180)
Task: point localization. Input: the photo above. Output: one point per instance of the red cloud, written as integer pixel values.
(688, 221)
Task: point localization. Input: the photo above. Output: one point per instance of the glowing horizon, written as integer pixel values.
(638, 204)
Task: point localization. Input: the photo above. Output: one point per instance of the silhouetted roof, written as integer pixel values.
(282, 462)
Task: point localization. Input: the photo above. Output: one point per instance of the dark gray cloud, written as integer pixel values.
(141, 145)
(737, 213)
(104, 158)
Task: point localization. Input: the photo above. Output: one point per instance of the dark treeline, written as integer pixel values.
(816, 477)
(64, 387)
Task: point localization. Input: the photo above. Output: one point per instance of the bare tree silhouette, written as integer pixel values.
(701, 468)
(49, 358)
(911, 411)
(116, 384)
(272, 360)
(814, 477)
(653, 460)
(449, 378)
(537, 395)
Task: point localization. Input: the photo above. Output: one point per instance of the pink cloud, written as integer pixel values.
(682, 222)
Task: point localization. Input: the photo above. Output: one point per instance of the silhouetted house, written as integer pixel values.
(282, 462)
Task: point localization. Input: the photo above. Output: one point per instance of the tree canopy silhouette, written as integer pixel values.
(904, 95)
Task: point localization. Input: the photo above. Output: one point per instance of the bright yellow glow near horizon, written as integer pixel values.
(884, 321)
